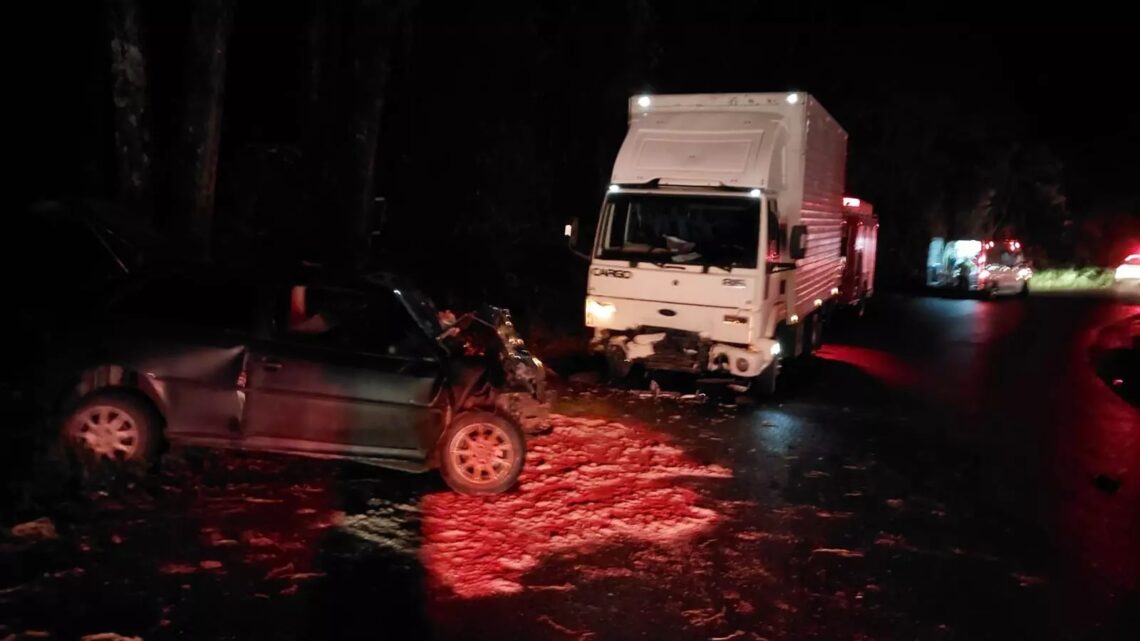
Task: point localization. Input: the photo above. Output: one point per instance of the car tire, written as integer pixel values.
(481, 453)
(111, 433)
(1024, 290)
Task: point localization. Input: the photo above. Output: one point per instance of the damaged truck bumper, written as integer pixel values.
(680, 351)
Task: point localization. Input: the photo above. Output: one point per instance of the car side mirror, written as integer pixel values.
(798, 246)
(571, 233)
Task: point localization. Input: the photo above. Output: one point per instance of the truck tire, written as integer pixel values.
(617, 367)
(481, 453)
(815, 335)
(764, 383)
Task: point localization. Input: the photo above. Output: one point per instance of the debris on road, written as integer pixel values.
(1026, 580)
(177, 568)
(281, 572)
(41, 529)
(840, 552)
(565, 587)
(703, 617)
(581, 634)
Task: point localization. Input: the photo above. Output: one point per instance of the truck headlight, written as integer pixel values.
(598, 312)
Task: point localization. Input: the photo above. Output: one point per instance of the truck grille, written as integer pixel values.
(678, 351)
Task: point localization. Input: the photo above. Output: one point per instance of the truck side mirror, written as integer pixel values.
(571, 233)
(798, 246)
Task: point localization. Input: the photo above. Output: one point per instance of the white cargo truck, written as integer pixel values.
(718, 244)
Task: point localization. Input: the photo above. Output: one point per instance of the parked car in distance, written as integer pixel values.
(991, 268)
(346, 367)
(1128, 272)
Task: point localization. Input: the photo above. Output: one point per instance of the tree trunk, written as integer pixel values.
(131, 108)
(317, 115)
(201, 127)
(366, 62)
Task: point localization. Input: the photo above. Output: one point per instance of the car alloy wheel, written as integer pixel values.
(482, 454)
(107, 432)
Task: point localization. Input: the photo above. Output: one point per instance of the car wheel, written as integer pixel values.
(482, 453)
(1024, 290)
(111, 432)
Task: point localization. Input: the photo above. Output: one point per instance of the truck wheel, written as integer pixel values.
(816, 336)
(111, 432)
(617, 367)
(764, 384)
(481, 453)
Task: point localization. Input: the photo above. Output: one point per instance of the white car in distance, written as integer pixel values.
(1128, 273)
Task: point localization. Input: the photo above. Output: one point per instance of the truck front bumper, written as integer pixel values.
(679, 351)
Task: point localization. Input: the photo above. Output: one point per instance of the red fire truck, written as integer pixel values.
(860, 241)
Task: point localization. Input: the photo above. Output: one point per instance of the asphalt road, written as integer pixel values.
(946, 469)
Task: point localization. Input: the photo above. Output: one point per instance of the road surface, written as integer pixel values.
(946, 469)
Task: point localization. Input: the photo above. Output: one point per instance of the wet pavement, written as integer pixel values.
(946, 469)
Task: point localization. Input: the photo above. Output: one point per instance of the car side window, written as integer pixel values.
(225, 306)
(349, 320)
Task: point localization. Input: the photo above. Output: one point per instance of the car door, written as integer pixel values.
(187, 336)
(363, 383)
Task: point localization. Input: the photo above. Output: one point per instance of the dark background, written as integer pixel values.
(501, 120)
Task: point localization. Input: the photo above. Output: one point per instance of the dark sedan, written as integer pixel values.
(359, 367)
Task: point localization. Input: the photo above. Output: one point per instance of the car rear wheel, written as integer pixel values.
(110, 433)
(482, 453)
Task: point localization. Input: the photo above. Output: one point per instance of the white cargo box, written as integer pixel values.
(785, 144)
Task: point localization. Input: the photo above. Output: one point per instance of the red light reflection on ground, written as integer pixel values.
(587, 483)
(880, 365)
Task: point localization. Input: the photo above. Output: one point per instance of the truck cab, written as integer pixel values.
(718, 242)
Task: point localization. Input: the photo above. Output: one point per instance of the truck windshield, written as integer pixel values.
(719, 231)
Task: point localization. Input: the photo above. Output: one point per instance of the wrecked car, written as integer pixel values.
(361, 368)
